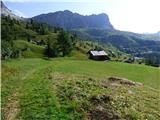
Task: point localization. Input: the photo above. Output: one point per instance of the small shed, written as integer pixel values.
(98, 55)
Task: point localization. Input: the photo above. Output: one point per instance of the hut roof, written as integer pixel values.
(98, 53)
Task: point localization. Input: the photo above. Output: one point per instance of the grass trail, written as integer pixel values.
(12, 85)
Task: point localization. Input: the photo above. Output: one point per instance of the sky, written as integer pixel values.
(139, 16)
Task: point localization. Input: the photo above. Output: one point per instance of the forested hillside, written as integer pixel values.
(135, 44)
(34, 34)
(32, 39)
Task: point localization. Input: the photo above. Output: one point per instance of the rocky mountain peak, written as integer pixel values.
(7, 12)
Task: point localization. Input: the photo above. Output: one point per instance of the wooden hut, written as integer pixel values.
(98, 55)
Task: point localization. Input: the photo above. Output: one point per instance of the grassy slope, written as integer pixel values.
(71, 89)
(32, 50)
(135, 72)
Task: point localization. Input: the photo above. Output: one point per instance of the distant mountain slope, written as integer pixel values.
(69, 20)
(98, 28)
(126, 41)
(6, 12)
(73, 21)
(153, 36)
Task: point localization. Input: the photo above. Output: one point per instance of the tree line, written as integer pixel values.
(152, 59)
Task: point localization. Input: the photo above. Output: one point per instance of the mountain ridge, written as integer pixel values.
(69, 20)
(61, 21)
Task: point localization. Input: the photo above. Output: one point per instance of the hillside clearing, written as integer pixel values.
(73, 89)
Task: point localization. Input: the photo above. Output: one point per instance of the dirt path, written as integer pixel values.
(12, 108)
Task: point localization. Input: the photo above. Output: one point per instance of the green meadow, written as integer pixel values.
(72, 89)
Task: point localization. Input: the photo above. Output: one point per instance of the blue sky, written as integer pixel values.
(141, 16)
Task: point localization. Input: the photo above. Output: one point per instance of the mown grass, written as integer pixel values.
(140, 73)
(67, 88)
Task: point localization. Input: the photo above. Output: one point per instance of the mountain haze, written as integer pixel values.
(69, 20)
(6, 12)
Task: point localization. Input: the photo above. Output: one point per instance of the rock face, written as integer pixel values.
(69, 20)
(6, 12)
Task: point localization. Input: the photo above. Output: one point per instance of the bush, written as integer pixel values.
(8, 50)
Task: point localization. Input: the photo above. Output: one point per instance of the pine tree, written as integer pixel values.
(65, 43)
(51, 49)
